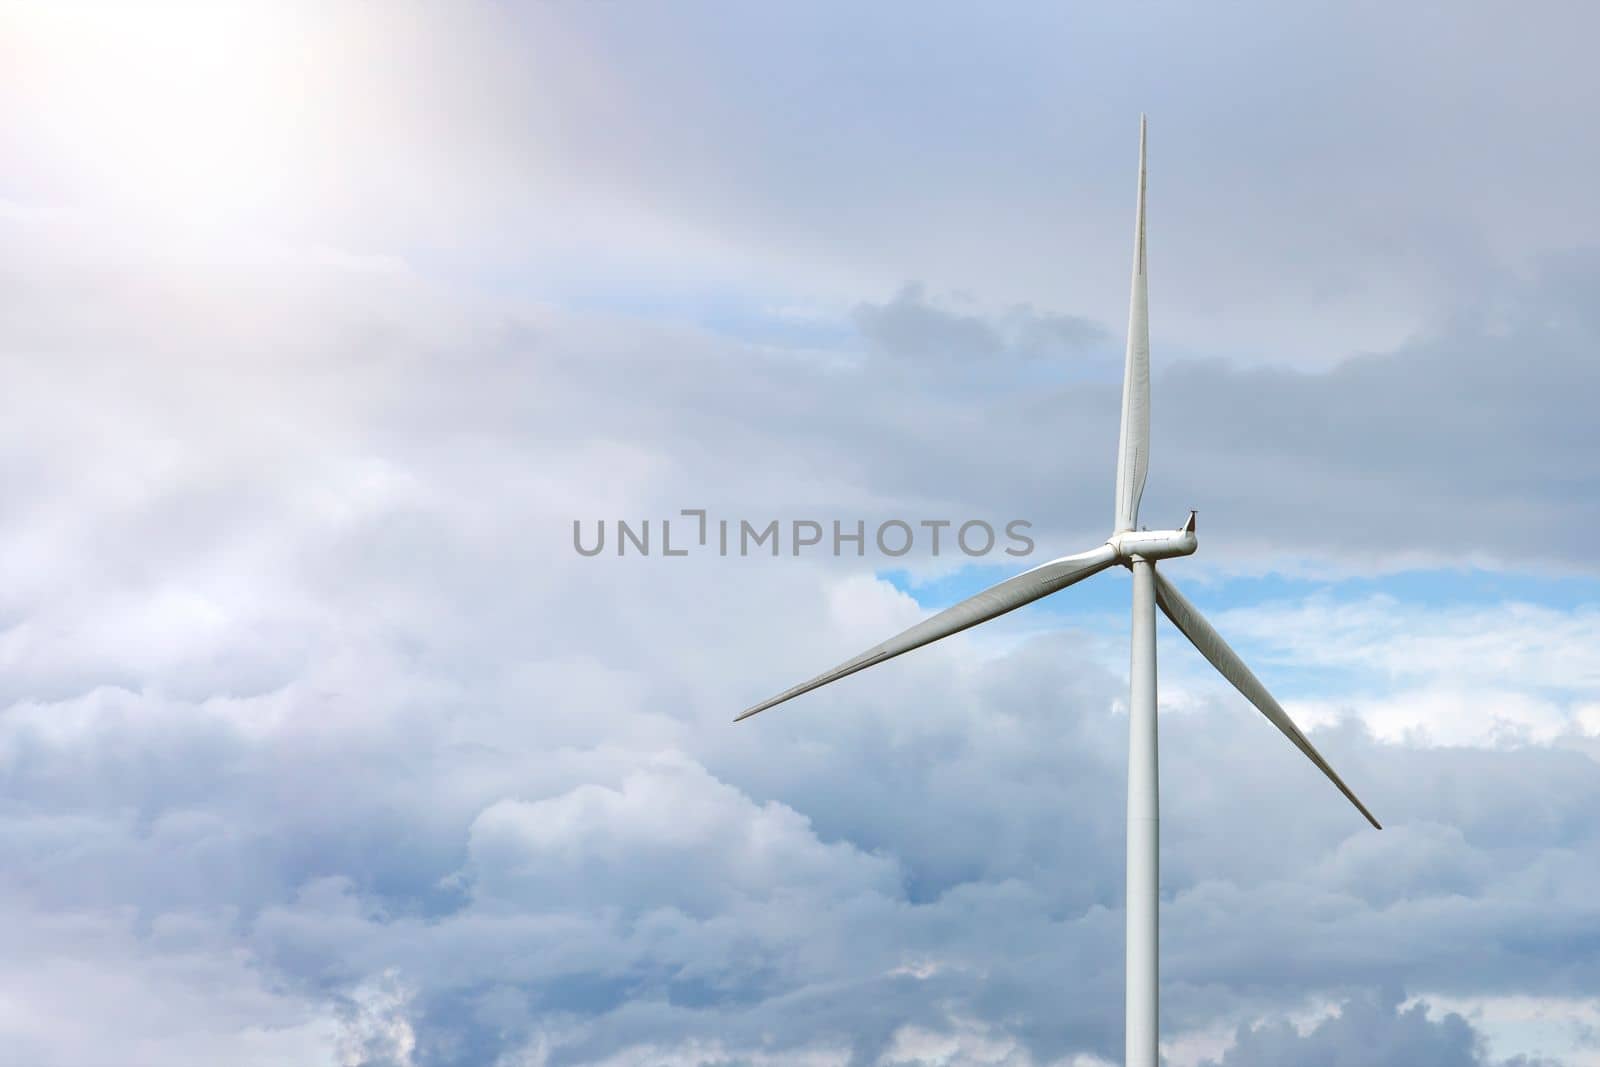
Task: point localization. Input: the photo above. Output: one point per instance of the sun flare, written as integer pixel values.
(195, 112)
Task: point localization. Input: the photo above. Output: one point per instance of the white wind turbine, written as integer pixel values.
(1138, 550)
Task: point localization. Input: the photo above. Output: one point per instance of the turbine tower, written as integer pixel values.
(1138, 550)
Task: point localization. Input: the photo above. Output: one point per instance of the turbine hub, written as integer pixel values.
(1133, 545)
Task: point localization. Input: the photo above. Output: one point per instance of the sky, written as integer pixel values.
(321, 324)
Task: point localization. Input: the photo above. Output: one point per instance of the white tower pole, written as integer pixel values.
(1144, 827)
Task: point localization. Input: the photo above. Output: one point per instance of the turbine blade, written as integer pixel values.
(1133, 445)
(1009, 595)
(1227, 662)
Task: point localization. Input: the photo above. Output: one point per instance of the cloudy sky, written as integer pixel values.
(321, 324)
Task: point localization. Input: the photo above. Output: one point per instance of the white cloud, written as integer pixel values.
(667, 835)
(92, 989)
(1562, 1027)
(1500, 674)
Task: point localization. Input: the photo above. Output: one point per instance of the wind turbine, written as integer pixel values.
(1137, 550)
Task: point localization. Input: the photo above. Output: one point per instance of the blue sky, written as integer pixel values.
(320, 324)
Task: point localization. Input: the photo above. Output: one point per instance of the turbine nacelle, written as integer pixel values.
(1131, 545)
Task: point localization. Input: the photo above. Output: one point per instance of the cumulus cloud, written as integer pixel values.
(334, 662)
(91, 988)
(1374, 1030)
(1498, 675)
